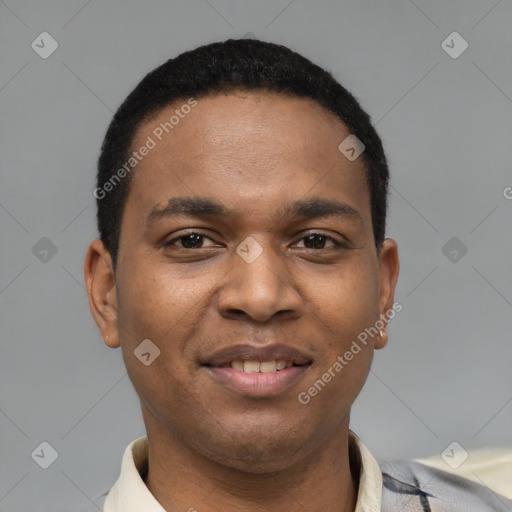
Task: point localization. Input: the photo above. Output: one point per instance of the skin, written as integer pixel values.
(210, 447)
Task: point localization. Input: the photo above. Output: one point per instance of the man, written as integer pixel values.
(243, 269)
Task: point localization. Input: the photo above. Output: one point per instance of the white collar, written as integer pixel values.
(130, 494)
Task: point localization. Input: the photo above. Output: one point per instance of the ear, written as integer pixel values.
(101, 291)
(389, 267)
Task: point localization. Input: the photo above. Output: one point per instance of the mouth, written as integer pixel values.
(257, 371)
(255, 366)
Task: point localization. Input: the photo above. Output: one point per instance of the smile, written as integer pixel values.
(253, 366)
(256, 371)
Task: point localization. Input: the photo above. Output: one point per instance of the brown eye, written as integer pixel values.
(318, 241)
(189, 241)
(314, 241)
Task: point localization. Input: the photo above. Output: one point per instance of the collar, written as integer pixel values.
(130, 494)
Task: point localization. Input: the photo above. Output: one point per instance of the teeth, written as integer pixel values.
(263, 367)
(281, 364)
(268, 366)
(251, 366)
(238, 365)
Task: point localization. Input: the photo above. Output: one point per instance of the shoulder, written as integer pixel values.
(426, 484)
(489, 467)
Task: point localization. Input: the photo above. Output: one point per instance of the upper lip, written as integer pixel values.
(256, 353)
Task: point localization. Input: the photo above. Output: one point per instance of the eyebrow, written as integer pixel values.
(202, 207)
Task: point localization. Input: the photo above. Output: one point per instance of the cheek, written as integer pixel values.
(156, 305)
(346, 299)
(155, 301)
(344, 378)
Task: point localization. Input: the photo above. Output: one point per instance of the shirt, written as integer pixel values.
(423, 485)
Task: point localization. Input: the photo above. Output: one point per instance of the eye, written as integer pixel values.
(197, 240)
(318, 241)
(193, 240)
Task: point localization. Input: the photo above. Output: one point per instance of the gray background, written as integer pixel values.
(446, 124)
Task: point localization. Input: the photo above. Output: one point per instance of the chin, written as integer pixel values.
(262, 451)
(259, 462)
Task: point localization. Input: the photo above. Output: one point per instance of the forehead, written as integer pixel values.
(246, 149)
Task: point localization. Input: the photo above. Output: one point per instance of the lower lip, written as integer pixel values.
(258, 384)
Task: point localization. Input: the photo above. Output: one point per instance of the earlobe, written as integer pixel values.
(389, 268)
(382, 339)
(101, 291)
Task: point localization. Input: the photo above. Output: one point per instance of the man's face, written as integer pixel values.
(263, 274)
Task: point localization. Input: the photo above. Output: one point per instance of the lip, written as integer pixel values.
(256, 353)
(257, 384)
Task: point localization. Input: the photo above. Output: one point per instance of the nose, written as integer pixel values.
(260, 289)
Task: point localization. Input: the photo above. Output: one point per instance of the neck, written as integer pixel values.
(182, 479)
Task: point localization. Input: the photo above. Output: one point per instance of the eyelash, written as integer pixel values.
(337, 244)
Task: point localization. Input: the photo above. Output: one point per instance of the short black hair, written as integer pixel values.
(235, 64)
